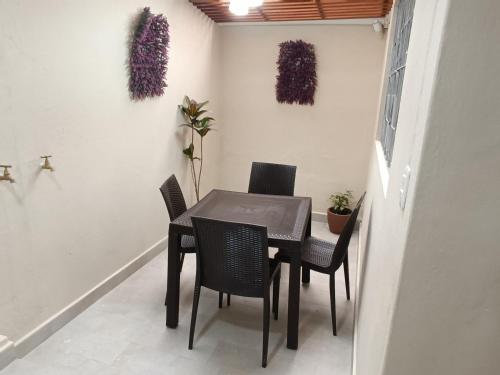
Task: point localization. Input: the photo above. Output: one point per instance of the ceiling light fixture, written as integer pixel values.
(239, 7)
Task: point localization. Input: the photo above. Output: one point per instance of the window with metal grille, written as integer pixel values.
(396, 71)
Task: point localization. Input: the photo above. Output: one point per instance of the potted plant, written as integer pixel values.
(193, 113)
(340, 211)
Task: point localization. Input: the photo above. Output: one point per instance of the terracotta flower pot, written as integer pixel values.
(336, 222)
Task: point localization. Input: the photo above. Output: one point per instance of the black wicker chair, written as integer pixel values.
(274, 179)
(233, 258)
(176, 206)
(327, 257)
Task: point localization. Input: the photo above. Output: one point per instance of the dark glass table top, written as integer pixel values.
(286, 218)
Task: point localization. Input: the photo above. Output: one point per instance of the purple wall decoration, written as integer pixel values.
(148, 56)
(296, 81)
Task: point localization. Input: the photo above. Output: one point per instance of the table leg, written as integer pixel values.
(306, 272)
(293, 301)
(173, 279)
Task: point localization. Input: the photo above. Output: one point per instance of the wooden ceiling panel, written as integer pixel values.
(297, 10)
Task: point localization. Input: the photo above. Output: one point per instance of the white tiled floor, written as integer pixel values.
(125, 333)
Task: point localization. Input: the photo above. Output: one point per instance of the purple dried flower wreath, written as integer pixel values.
(148, 56)
(296, 81)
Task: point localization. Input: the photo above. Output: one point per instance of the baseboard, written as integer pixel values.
(34, 338)
(319, 216)
(7, 351)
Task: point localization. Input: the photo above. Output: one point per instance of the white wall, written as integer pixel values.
(330, 142)
(429, 301)
(64, 91)
(384, 225)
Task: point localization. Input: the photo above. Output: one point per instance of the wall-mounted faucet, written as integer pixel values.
(46, 163)
(6, 175)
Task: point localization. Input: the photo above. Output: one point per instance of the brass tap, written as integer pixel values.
(46, 163)
(6, 175)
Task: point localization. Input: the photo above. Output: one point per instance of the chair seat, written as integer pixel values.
(315, 252)
(187, 244)
(318, 252)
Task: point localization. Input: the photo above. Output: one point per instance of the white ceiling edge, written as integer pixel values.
(349, 21)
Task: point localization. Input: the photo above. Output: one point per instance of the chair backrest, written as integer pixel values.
(345, 237)
(231, 257)
(174, 200)
(274, 179)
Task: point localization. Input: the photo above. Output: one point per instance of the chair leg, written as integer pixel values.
(332, 304)
(346, 277)
(228, 299)
(265, 329)
(194, 313)
(276, 294)
(221, 296)
(306, 275)
(181, 262)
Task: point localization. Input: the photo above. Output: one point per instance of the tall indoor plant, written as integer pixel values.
(340, 211)
(193, 113)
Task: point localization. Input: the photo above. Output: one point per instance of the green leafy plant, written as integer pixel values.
(193, 113)
(341, 203)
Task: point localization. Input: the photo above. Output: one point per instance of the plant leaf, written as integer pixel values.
(203, 131)
(199, 113)
(189, 151)
(205, 121)
(202, 104)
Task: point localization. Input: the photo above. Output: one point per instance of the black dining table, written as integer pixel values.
(288, 222)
